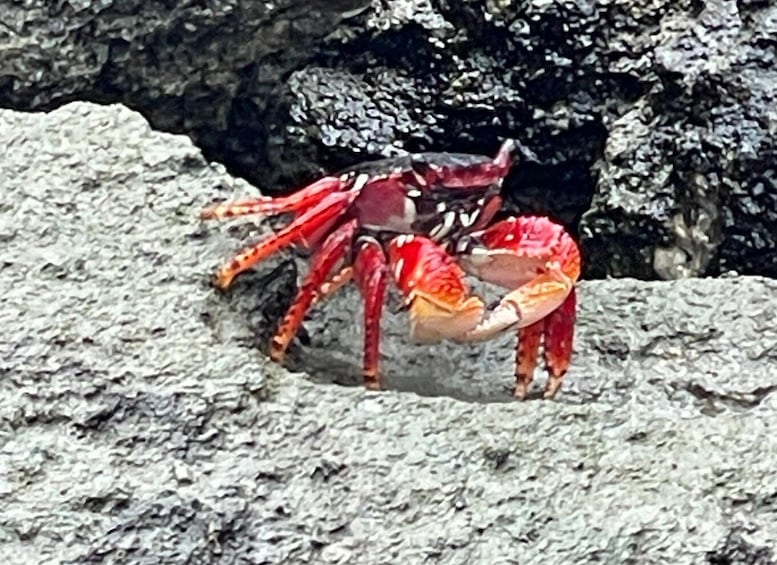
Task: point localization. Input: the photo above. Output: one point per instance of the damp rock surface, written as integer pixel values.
(140, 420)
(653, 120)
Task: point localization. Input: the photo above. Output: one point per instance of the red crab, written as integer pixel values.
(424, 220)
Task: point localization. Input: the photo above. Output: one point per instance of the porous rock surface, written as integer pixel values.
(141, 423)
(653, 120)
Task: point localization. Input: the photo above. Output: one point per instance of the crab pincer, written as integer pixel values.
(533, 257)
(434, 289)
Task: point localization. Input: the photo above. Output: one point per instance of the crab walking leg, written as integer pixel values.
(323, 261)
(335, 283)
(433, 285)
(313, 221)
(559, 337)
(300, 200)
(526, 353)
(370, 270)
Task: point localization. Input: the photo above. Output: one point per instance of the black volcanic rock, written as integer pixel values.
(653, 119)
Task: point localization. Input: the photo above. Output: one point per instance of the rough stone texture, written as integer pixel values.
(690, 165)
(654, 120)
(140, 423)
(213, 70)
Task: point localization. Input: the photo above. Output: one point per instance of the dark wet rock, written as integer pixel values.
(687, 180)
(653, 120)
(140, 422)
(213, 70)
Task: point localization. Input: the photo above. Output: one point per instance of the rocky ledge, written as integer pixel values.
(140, 421)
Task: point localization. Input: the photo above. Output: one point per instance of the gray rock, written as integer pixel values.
(140, 422)
(653, 119)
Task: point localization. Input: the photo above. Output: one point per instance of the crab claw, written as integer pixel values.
(539, 262)
(440, 304)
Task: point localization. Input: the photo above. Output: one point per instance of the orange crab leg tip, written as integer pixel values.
(207, 213)
(223, 210)
(277, 350)
(552, 387)
(521, 390)
(225, 276)
(371, 372)
(372, 382)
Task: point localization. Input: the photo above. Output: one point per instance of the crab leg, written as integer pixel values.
(300, 200)
(526, 353)
(312, 222)
(370, 270)
(323, 261)
(335, 283)
(559, 334)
